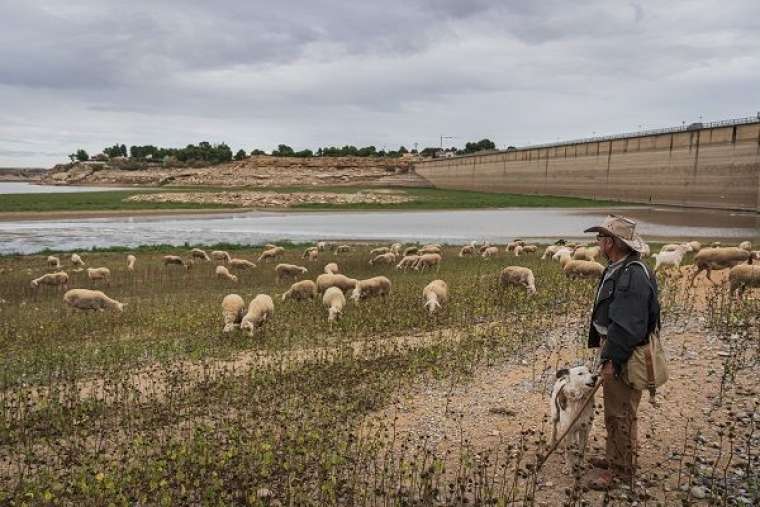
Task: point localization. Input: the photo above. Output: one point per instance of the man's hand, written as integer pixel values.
(608, 371)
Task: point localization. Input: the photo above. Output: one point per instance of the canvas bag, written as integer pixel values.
(647, 366)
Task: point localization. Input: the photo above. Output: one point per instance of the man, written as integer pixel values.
(625, 312)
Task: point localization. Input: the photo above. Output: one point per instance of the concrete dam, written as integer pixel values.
(710, 165)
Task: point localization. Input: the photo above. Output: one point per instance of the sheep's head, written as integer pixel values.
(234, 278)
(35, 284)
(247, 325)
(356, 294)
(333, 313)
(285, 296)
(531, 289)
(432, 305)
(119, 306)
(229, 327)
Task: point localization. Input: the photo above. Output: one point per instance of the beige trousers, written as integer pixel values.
(620, 405)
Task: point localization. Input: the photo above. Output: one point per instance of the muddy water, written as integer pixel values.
(14, 187)
(459, 226)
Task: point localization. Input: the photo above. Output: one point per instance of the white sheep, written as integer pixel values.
(221, 255)
(242, 264)
(76, 260)
(344, 283)
(54, 262)
(695, 246)
(131, 259)
(233, 307)
(410, 250)
(305, 289)
(550, 251)
(430, 249)
(530, 249)
(308, 251)
(489, 252)
(407, 262)
(669, 258)
(746, 245)
(517, 250)
(586, 253)
(334, 301)
(467, 250)
(269, 246)
(340, 249)
(672, 247)
(197, 253)
(428, 261)
(223, 272)
(59, 279)
(313, 255)
(371, 287)
(396, 249)
(518, 275)
(386, 258)
(95, 274)
(580, 269)
(435, 294)
(331, 269)
(177, 261)
(742, 277)
(271, 253)
(284, 271)
(260, 310)
(557, 256)
(719, 258)
(85, 299)
(379, 251)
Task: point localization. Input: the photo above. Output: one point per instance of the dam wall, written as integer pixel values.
(717, 166)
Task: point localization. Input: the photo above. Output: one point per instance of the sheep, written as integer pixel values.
(716, 244)
(289, 271)
(131, 259)
(59, 279)
(511, 246)
(483, 247)
(646, 251)
(428, 261)
(377, 286)
(407, 262)
(342, 249)
(313, 256)
(491, 251)
(550, 251)
(672, 247)
(746, 245)
(579, 268)
(242, 264)
(517, 250)
(742, 277)
(671, 258)
(220, 255)
(410, 250)
(696, 246)
(562, 251)
(305, 289)
(321, 245)
(307, 252)
(223, 272)
(435, 294)
(269, 246)
(85, 299)
(343, 282)
(197, 253)
(396, 248)
(530, 249)
(260, 310)
(232, 311)
(586, 253)
(378, 251)
(467, 250)
(331, 269)
(271, 253)
(178, 261)
(335, 301)
(99, 274)
(429, 249)
(77, 261)
(719, 258)
(54, 262)
(386, 258)
(518, 275)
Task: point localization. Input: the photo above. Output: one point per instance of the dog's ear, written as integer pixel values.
(564, 372)
(562, 399)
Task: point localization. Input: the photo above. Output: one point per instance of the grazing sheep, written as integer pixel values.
(646, 251)
(197, 253)
(407, 262)
(131, 259)
(742, 277)
(378, 251)
(54, 262)
(386, 258)
(467, 250)
(719, 258)
(232, 311)
(517, 250)
(220, 255)
(430, 249)
(305, 289)
(242, 264)
(289, 271)
(491, 251)
(272, 253)
(313, 256)
(530, 249)
(695, 246)
(371, 287)
(511, 246)
(435, 294)
(178, 261)
(307, 252)
(85, 299)
(486, 244)
(557, 256)
(580, 269)
(586, 253)
(77, 261)
(59, 279)
(672, 247)
(260, 310)
(550, 250)
(746, 245)
(716, 244)
(99, 274)
(269, 246)
(428, 261)
(342, 249)
(396, 248)
(321, 245)
(410, 250)
(669, 259)
(223, 272)
(518, 275)
(331, 268)
(343, 282)
(334, 301)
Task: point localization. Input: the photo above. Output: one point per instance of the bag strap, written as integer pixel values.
(648, 352)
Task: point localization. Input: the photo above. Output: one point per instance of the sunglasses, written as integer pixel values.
(602, 236)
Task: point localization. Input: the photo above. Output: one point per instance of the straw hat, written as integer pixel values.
(622, 228)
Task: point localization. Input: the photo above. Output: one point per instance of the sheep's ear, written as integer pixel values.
(564, 372)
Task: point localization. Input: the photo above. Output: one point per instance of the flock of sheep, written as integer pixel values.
(576, 261)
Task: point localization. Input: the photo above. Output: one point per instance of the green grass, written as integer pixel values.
(424, 198)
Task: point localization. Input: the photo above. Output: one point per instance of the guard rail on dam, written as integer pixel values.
(715, 166)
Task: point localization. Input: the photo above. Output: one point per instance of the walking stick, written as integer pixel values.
(588, 399)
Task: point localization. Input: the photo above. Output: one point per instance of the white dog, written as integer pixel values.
(569, 393)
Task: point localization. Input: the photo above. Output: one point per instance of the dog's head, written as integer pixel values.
(578, 381)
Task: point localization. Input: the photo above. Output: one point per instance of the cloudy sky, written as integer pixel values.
(254, 74)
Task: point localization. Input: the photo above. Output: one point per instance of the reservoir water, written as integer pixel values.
(18, 187)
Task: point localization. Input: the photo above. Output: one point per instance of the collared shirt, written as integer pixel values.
(602, 330)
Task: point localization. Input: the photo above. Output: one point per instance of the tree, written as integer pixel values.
(115, 151)
(82, 155)
(283, 150)
(304, 154)
(240, 155)
(482, 145)
(257, 151)
(403, 150)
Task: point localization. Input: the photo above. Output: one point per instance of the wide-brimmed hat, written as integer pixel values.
(622, 228)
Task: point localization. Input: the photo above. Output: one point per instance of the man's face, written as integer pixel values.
(605, 244)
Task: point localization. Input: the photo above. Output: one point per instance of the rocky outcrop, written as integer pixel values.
(253, 199)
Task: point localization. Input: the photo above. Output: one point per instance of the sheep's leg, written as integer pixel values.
(694, 276)
(710, 278)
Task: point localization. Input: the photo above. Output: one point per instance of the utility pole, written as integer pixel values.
(446, 137)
